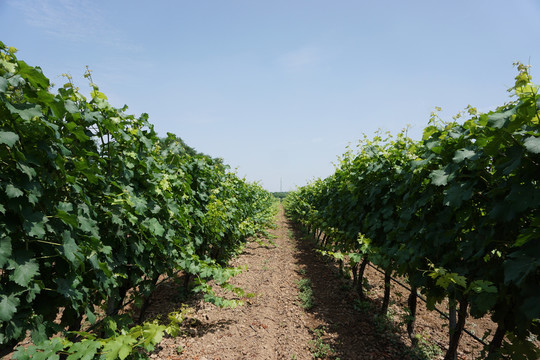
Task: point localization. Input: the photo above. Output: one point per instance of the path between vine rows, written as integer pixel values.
(273, 325)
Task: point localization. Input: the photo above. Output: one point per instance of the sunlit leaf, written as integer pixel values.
(9, 138)
(84, 350)
(3, 84)
(463, 154)
(13, 192)
(25, 111)
(439, 177)
(532, 143)
(118, 347)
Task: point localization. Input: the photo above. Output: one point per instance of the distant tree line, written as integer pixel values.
(280, 195)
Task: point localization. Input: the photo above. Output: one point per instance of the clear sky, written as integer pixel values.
(279, 88)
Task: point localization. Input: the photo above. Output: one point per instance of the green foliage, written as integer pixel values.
(119, 345)
(427, 349)
(457, 213)
(280, 195)
(94, 204)
(305, 294)
(318, 347)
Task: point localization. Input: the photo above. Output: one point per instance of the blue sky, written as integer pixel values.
(278, 89)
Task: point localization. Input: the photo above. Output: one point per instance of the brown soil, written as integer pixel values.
(274, 325)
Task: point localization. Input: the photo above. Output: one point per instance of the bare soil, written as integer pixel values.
(273, 324)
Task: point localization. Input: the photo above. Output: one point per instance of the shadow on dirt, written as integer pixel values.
(170, 296)
(357, 329)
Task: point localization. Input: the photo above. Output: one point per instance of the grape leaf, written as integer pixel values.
(25, 271)
(155, 227)
(50, 350)
(139, 203)
(39, 333)
(33, 290)
(439, 177)
(518, 266)
(67, 218)
(30, 172)
(70, 288)
(153, 334)
(479, 286)
(500, 119)
(34, 75)
(13, 192)
(90, 316)
(84, 350)
(34, 224)
(119, 347)
(88, 225)
(71, 107)
(69, 247)
(5, 251)
(47, 350)
(8, 307)
(3, 85)
(25, 111)
(457, 193)
(22, 353)
(9, 138)
(532, 143)
(463, 154)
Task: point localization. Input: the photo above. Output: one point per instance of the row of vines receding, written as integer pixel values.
(94, 208)
(456, 213)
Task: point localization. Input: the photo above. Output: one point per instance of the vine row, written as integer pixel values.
(94, 208)
(456, 213)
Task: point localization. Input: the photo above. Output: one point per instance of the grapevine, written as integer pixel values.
(456, 213)
(94, 208)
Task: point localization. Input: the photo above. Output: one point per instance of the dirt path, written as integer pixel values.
(269, 325)
(273, 324)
